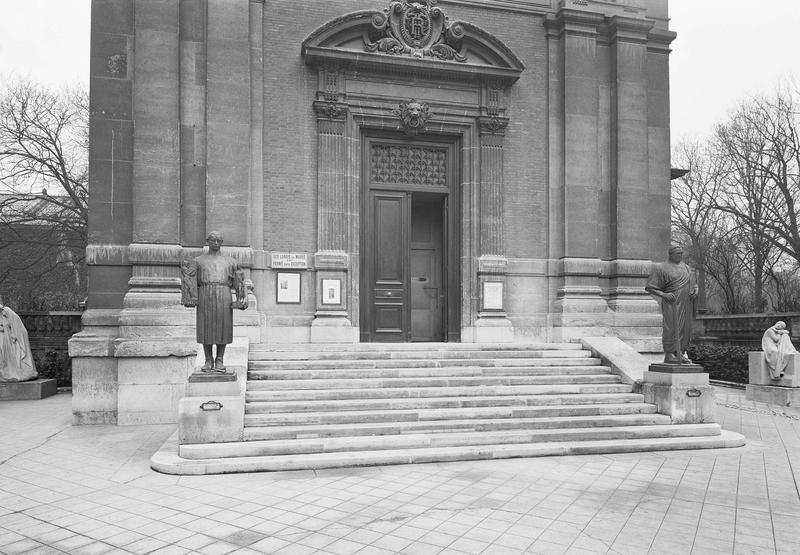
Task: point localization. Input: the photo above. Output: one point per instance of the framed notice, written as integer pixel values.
(492, 295)
(287, 288)
(331, 291)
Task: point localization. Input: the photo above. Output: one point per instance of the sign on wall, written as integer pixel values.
(292, 260)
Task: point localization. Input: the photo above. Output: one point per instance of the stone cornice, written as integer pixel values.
(659, 40)
(628, 29)
(574, 22)
(522, 6)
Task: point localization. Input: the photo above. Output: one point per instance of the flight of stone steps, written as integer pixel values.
(372, 404)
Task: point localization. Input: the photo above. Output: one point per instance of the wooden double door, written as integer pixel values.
(410, 272)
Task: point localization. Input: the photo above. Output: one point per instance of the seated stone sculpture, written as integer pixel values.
(16, 359)
(777, 346)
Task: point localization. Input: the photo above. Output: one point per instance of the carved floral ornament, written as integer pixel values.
(417, 29)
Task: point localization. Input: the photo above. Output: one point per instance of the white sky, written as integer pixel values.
(726, 50)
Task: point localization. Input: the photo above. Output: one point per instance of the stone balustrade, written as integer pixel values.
(50, 330)
(742, 329)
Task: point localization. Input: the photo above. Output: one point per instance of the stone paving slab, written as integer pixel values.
(89, 489)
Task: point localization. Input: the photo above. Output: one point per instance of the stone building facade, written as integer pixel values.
(385, 170)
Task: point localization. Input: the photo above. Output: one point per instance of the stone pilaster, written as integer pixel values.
(156, 163)
(493, 323)
(228, 114)
(155, 249)
(331, 322)
(193, 54)
(111, 153)
(630, 185)
(629, 160)
(578, 304)
(658, 139)
(256, 213)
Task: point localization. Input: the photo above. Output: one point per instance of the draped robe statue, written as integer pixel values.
(777, 345)
(673, 282)
(16, 358)
(206, 283)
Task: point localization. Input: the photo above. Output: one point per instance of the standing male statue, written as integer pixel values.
(673, 282)
(206, 283)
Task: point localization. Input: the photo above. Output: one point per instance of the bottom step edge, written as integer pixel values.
(167, 460)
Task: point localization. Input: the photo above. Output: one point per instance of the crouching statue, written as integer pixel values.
(16, 359)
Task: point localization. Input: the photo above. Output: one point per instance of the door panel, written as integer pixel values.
(389, 275)
(427, 294)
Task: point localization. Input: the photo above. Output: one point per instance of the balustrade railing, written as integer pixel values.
(742, 329)
(48, 333)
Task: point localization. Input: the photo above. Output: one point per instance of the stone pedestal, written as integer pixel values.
(213, 410)
(763, 388)
(680, 391)
(33, 389)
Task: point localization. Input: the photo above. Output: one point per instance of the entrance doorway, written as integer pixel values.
(409, 277)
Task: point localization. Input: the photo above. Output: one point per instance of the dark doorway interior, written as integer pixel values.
(428, 281)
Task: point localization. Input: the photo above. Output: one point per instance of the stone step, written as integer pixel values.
(406, 347)
(576, 352)
(254, 398)
(464, 371)
(424, 382)
(454, 425)
(490, 409)
(442, 439)
(419, 363)
(167, 460)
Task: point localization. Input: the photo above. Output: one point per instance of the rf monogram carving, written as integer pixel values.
(417, 29)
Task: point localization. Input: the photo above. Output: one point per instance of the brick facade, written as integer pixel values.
(204, 117)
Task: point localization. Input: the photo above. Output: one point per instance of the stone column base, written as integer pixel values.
(493, 328)
(333, 327)
(680, 391)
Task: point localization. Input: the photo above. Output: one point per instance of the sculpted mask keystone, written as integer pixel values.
(413, 116)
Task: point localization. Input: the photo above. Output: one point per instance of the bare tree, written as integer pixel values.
(43, 180)
(695, 221)
(725, 267)
(761, 181)
(762, 148)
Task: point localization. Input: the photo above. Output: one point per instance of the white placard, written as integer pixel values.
(287, 288)
(331, 291)
(293, 260)
(493, 295)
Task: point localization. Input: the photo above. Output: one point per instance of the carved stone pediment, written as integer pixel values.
(412, 36)
(417, 29)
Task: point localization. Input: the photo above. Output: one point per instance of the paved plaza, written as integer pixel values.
(90, 490)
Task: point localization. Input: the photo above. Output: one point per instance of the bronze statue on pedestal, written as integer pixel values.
(206, 283)
(674, 283)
